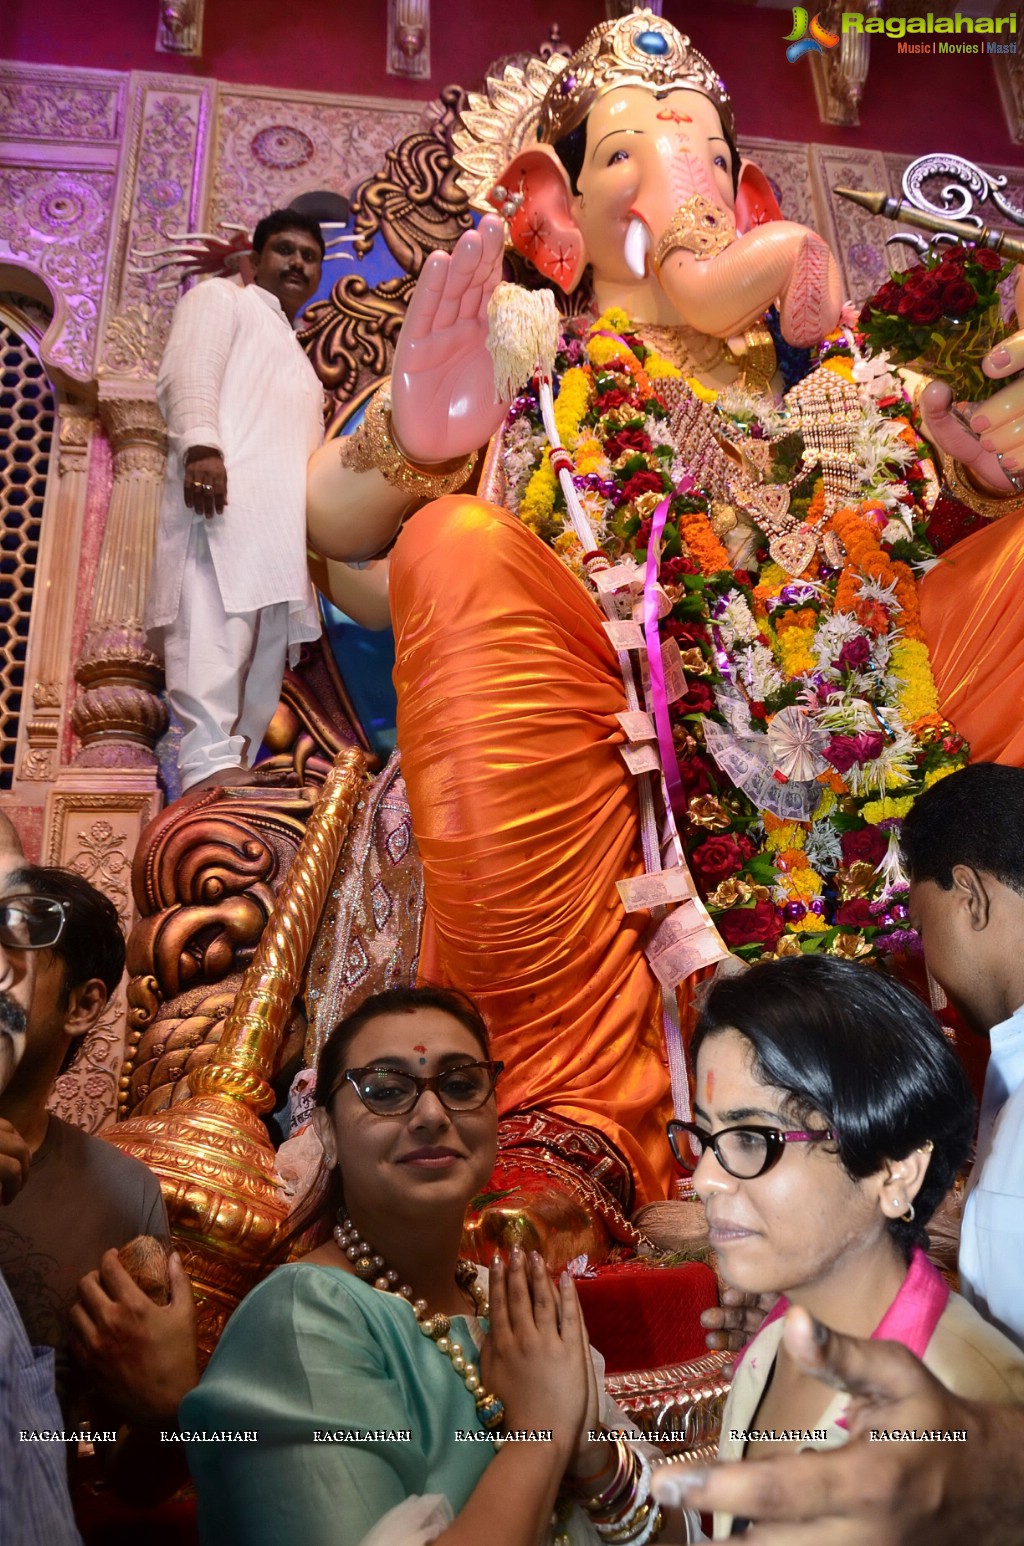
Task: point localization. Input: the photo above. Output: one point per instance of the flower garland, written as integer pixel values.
(827, 674)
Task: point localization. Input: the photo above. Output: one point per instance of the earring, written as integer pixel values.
(908, 1217)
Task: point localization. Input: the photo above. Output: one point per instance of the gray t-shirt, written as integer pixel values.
(82, 1197)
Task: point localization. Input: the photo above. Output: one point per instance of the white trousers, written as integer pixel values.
(224, 669)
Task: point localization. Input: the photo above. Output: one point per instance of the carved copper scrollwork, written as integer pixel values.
(205, 877)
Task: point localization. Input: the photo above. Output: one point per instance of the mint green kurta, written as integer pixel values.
(313, 1349)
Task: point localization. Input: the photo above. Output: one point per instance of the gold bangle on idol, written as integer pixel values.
(990, 506)
(374, 445)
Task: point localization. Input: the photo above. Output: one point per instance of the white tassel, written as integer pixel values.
(522, 336)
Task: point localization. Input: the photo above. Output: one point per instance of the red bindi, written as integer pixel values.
(669, 115)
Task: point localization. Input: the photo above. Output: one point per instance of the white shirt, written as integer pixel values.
(992, 1234)
(235, 377)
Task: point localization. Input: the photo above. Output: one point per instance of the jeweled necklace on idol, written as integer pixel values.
(369, 1265)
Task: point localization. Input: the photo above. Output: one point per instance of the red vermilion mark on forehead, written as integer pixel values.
(419, 1047)
(669, 115)
(709, 1085)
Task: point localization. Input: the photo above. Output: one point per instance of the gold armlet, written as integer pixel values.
(990, 506)
(698, 226)
(373, 445)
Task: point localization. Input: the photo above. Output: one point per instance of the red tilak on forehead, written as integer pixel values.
(419, 1047)
(709, 1085)
(669, 115)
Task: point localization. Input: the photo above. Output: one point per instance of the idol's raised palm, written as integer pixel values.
(443, 401)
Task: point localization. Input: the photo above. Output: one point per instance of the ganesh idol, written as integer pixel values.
(667, 679)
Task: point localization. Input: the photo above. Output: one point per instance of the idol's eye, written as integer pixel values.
(721, 162)
(618, 155)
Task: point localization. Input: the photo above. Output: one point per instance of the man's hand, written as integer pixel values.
(15, 1158)
(142, 1356)
(206, 481)
(888, 1494)
(731, 1324)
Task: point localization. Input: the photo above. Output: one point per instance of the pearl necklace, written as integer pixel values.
(371, 1266)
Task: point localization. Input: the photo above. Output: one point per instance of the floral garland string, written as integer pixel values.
(831, 666)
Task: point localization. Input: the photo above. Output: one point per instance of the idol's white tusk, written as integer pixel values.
(638, 245)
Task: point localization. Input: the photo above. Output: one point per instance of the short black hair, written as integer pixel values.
(844, 1040)
(286, 220)
(91, 943)
(571, 149)
(974, 817)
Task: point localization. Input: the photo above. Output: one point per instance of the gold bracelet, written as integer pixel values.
(990, 506)
(698, 226)
(373, 445)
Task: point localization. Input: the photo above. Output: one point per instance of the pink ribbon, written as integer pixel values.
(652, 639)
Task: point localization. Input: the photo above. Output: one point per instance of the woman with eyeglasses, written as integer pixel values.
(394, 1404)
(832, 1116)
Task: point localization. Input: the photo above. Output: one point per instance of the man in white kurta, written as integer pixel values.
(230, 589)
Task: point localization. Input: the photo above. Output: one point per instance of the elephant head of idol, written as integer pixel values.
(631, 167)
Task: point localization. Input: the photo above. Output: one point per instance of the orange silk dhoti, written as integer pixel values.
(526, 816)
(974, 622)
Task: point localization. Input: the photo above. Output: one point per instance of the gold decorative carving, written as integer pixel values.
(53, 610)
(47, 102)
(409, 39)
(270, 143)
(180, 28)
(94, 833)
(211, 1153)
(1010, 76)
(164, 148)
(119, 716)
(840, 74)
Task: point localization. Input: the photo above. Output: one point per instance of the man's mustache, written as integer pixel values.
(13, 1018)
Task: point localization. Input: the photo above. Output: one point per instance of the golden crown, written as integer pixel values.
(640, 49)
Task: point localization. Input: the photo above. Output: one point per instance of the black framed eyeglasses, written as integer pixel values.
(389, 1092)
(31, 922)
(745, 1152)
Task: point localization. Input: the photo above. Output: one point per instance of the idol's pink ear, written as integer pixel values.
(755, 201)
(535, 197)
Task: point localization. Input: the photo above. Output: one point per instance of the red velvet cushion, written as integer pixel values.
(641, 1317)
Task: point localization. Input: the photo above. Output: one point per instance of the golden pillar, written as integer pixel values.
(211, 1153)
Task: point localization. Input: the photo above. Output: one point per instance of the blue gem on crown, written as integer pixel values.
(652, 42)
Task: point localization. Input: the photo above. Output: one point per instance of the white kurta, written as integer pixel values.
(235, 377)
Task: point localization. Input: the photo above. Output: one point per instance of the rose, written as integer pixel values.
(926, 309)
(990, 261)
(698, 699)
(868, 845)
(613, 398)
(843, 751)
(857, 913)
(643, 483)
(716, 859)
(683, 633)
(854, 654)
(695, 778)
(758, 925)
(959, 297)
(626, 440)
